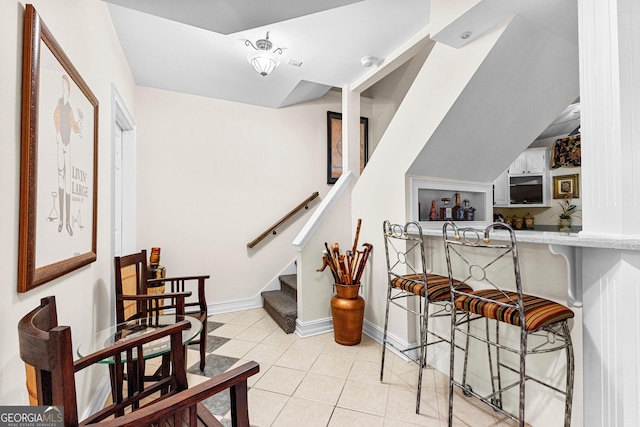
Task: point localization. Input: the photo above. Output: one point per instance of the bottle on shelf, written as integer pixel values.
(433, 213)
(445, 209)
(469, 212)
(457, 212)
(154, 258)
(154, 263)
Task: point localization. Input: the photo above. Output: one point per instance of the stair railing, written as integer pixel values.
(272, 229)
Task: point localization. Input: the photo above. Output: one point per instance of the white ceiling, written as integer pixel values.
(197, 46)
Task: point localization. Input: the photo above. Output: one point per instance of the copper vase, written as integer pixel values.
(347, 311)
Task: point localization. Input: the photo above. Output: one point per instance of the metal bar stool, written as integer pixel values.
(408, 279)
(488, 261)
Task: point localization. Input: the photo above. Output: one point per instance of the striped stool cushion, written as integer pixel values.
(538, 312)
(438, 286)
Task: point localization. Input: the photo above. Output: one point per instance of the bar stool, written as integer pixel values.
(489, 263)
(408, 280)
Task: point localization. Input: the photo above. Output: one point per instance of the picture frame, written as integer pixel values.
(58, 164)
(566, 186)
(334, 145)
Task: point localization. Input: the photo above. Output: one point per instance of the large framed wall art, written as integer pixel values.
(334, 145)
(59, 161)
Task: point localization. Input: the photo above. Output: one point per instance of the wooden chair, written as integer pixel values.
(47, 348)
(132, 284)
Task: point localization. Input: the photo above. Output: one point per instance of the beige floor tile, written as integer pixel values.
(300, 412)
(401, 406)
(297, 359)
(364, 397)
(365, 371)
(229, 331)
(344, 351)
(371, 352)
(314, 343)
(401, 366)
(279, 338)
(333, 366)
(254, 378)
(264, 406)
(224, 317)
(280, 380)
(266, 323)
(469, 412)
(345, 417)
(320, 388)
(245, 319)
(193, 379)
(152, 363)
(235, 348)
(193, 356)
(395, 381)
(315, 381)
(388, 422)
(264, 353)
(253, 334)
(260, 312)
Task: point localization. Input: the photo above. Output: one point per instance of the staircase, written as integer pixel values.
(282, 305)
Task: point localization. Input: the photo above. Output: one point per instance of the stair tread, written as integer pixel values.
(290, 280)
(281, 301)
(283, 308)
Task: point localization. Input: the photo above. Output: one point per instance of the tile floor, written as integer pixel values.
(317, 382)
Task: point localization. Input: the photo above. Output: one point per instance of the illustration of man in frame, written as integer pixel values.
(65, 122)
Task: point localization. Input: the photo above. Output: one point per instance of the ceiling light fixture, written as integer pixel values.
(263, 60)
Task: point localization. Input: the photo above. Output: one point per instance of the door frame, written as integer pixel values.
(122, 118)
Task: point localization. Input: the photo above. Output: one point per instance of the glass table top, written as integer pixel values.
(135, 328)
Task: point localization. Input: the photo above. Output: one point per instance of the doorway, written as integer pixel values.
(123, 178)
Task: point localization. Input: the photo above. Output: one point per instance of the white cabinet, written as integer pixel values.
(533, 160)
(526, 182)
(501, 190)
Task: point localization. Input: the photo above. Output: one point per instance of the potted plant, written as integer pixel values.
(568, 209)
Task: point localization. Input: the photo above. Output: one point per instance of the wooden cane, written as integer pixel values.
(355, 240)
(363, 261)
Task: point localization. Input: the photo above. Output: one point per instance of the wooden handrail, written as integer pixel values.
(285, 218)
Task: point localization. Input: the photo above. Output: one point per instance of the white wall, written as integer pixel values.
(83, 28)
(388, 93)
(381, 193)
(454, 137)
(213, 175)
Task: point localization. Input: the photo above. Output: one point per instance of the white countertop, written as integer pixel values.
(580, 239)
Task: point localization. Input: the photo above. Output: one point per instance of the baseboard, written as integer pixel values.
(315, 327)
(253, 302)
(323, 326)
(376, 333)
(235, 305)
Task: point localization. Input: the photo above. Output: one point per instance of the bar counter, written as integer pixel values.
(577, 239)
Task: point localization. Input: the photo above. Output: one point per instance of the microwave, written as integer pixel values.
(526, 190)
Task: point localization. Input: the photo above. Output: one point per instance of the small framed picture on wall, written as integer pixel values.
(566, 186)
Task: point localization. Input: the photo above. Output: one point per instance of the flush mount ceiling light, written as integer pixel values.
(264, 60)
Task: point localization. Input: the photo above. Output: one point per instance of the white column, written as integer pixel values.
(350, 131)
(610, 117)
(610, 122)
